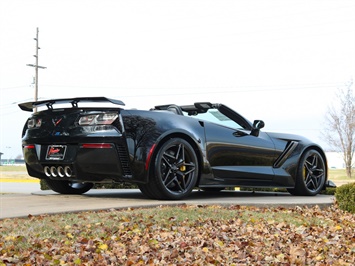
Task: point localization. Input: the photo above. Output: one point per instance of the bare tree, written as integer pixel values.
(340, 126)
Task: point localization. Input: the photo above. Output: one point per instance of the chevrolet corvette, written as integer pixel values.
(166, 151)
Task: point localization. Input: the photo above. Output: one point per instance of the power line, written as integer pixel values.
(267, 87)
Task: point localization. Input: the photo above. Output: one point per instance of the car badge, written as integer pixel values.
(53, 150)
(57, 120)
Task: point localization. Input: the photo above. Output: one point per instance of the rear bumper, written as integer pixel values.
(96, 162)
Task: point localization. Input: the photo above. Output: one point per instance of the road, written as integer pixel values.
(19, 187)
(48, 202)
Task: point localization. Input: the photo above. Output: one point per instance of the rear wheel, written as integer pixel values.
(175, 171)
(311, 174)
(145, 189)
(68, 187)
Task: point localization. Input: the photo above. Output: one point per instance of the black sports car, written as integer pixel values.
(167, 151)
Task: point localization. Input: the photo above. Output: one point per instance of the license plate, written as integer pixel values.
(56, 152)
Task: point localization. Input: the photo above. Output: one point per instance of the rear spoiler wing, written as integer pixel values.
(28, 106)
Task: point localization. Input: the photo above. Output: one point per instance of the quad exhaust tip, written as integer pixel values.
(55, 171)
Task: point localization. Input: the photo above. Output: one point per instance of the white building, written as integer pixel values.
(335, 160)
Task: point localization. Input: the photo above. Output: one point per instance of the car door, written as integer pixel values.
(235, 154)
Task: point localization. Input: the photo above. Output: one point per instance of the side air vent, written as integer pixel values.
(124, 159)
(286, 153)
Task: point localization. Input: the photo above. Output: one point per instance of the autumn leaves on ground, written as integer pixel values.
(182, 235)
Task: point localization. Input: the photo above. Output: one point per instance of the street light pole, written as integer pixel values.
(36, 66)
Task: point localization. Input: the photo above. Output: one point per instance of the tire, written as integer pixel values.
(175, 171)
(68, 187)
(144, 188)
(291, 191)
(311, 174)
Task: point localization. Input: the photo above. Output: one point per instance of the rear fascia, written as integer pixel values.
(94, 153)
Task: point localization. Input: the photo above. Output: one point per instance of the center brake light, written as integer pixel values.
(98, 119)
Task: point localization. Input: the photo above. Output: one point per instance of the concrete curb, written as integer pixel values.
(49, 202)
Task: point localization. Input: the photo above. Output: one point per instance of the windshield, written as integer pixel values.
(215, 116)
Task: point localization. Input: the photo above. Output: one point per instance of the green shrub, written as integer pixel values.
(329, 191)
(43, 185)
(345, 197)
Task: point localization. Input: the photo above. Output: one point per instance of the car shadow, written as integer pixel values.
(137, 194)
(195, 195)
(133, 198)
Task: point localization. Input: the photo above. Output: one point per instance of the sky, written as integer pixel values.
(279, 61)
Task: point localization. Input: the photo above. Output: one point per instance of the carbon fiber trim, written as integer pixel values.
(285, 154)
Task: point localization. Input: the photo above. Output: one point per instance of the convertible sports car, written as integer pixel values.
(167, 151)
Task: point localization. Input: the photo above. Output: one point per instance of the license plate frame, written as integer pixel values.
(56, 152)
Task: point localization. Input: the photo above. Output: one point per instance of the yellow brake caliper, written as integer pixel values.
(183, 169)
(304, 172)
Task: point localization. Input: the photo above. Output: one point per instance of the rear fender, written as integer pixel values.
(197, 143)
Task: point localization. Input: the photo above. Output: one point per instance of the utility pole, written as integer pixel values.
(36, 66)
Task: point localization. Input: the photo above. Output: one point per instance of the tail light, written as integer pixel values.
(98, 119)
(30, 146)
(34, 122)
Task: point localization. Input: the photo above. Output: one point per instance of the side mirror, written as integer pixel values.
(257, 125)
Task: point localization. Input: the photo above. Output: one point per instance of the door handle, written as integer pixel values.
(239, 134)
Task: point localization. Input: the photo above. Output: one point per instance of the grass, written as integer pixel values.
(53, 226)
(182, 235)
(338, 176)
(12, 168)
(15, 173)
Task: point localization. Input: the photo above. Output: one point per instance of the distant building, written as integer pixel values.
(335, 160)
(0, 157)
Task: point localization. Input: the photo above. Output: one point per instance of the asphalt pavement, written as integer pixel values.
(35, 202)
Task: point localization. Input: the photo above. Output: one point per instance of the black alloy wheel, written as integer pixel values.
(68, 187)
(175, 171)
(311, 174)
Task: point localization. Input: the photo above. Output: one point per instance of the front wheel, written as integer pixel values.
(175, 171)
(68, 187)
(311, 174)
